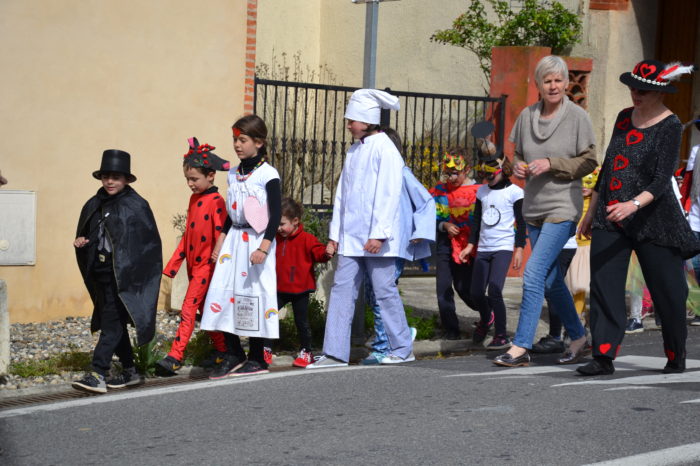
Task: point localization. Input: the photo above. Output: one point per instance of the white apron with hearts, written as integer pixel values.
(242, 298)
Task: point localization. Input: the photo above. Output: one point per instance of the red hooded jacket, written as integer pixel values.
(296, 255)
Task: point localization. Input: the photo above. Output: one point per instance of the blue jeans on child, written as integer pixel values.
(543, 276)
(381, 340)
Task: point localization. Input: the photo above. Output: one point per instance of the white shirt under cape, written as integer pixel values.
(367, 198)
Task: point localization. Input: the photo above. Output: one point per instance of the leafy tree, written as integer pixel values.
(539, 22)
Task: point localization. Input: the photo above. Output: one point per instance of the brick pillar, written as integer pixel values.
(250, 44)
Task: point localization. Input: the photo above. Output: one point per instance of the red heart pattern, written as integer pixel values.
(670, 355)
(617, 350)
(623, 124)
(615, 184)
(234, 206)
(620, 162)
(645, 70)
(245, 236)
(605, 347)
(633, 137)
(613, 202)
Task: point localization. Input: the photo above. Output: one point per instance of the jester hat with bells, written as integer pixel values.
(201, 156)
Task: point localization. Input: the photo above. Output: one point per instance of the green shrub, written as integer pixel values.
(425, 327)
(146, 356)
(198, 349)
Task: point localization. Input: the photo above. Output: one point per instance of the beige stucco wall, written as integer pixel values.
(406, 59)
(80, 76)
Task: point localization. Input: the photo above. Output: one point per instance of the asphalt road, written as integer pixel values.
(460, 410)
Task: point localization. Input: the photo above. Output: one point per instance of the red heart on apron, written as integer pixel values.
(620, 162)
(605, 347)
(623, 124)
(645, 70)
(245, 236)
(234, 206)
(615, 184)
(633, 137)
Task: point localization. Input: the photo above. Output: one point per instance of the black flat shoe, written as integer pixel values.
(674, 367)
(600, 366)
(574, 358)
(548, 345)
(507, 360)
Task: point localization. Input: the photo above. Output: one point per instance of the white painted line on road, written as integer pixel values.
(130, 394)
(686, 377)
(691, 401)
(684, 454)
(631, 387)
(517, 371)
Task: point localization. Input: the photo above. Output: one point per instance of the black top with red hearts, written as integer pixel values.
(644, 160)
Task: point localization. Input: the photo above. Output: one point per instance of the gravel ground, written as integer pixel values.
(37, 341)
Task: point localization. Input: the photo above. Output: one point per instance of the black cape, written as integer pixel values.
(136, 251)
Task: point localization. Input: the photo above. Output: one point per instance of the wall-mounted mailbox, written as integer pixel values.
(17, 227)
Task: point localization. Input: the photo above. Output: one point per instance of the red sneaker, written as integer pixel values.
(303, 359)
(267, 355)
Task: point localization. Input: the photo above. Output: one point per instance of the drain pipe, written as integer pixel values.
(4, 331)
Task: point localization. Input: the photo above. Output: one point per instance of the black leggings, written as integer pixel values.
(449, 274)
(490, 270)
(300, 306)
(255, 351)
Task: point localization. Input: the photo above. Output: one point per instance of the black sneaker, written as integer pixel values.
(168, 366)
(548, 344)
(91, 382)
(213, 360)
(227, 366)
(249, 368)
(128, 378)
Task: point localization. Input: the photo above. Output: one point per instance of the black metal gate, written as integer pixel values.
(307, 138)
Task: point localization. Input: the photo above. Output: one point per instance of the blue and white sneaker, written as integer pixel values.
(634, 326)
(414, 332)
(374, 359)
(393, 359)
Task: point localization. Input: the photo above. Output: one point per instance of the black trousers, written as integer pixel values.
(662, 268)
(489, 274)
(565, 257)
(300, 306)
(449, 274)
(114, 337)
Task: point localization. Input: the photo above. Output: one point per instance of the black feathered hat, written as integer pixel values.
(488, 152)
(201, 156)
(653, 75)
(115, 161)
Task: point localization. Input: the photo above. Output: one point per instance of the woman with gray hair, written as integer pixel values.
(554, 149)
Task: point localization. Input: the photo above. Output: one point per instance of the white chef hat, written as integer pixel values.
(365, 105)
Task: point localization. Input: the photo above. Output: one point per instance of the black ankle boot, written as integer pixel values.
(599, 366)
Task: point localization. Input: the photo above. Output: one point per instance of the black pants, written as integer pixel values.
(300, 306)
(449, 274)
(255, 351)
(114, 337)
(663, 273)
(565, 257)
(489, 274)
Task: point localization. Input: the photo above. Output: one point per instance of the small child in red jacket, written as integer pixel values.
(206, 215)
(297, 251)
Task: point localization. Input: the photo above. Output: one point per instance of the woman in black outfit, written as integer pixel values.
(633, 208)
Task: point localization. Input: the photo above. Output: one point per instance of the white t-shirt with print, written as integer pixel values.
(500, 236)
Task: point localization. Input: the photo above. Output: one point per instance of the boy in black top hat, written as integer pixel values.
(119, 254)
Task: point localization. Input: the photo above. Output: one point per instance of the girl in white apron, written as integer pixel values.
(242, 297)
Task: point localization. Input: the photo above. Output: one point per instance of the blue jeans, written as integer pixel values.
(696, 261)
(381, 340)
(543, 277)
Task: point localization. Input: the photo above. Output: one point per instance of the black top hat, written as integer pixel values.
(115, 161)
(652, 75)
(201, 156)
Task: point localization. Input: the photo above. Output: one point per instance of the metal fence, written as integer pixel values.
(307, 138)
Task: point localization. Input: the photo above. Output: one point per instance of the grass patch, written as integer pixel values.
(69, 361)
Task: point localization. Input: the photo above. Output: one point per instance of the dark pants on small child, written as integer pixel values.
(450, 277)
(490, 270)
(114, 336)
(300, 306)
